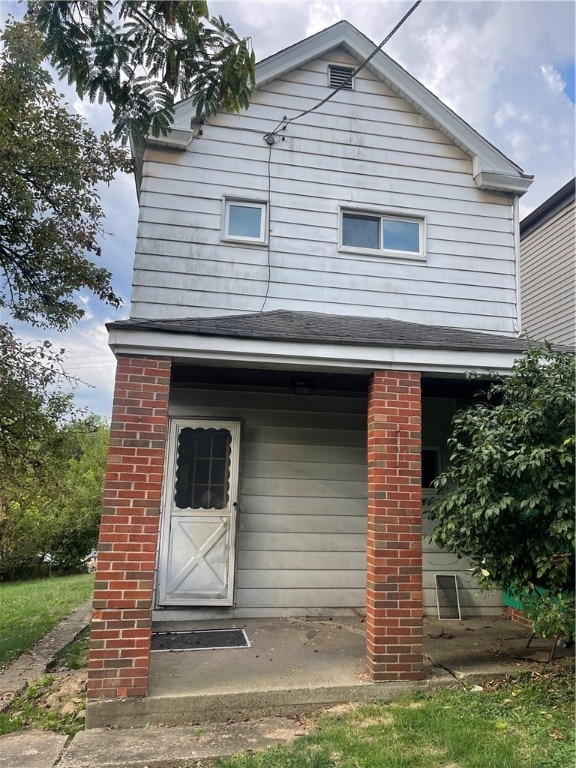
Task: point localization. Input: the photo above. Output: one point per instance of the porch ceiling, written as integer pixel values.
(201, 376)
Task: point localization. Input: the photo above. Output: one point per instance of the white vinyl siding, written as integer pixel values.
(301, 542)
(365, 147)
(548, 267)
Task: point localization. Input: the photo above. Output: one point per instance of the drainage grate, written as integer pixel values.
(200, 640)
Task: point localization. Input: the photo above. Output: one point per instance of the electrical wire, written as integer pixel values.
(268, 214)
(285, 122)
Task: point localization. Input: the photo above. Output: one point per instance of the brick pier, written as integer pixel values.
(121, 628)
(394, 545)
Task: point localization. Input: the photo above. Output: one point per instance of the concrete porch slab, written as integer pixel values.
(297, 666)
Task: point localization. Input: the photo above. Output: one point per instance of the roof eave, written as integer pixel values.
(177, 139)
(264, 353)
(501, 182)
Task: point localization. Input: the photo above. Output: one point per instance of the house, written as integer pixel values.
(310, 287)
(547, 269)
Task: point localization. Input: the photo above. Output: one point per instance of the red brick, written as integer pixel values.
(394, 542)
(129, 530)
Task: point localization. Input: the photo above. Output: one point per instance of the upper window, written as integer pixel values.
(394, 235)
(245, 220)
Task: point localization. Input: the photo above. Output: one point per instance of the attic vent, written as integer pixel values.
(340, 77)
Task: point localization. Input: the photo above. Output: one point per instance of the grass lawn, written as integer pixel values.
(30, 609)
(524, 722)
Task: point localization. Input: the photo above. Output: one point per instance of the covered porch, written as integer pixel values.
(323, 424)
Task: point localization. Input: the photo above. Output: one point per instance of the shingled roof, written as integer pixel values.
(318, 328)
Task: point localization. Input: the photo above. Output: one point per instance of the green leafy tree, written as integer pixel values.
(31, 408)
(76, 508)
(140, 57)
(60, 515)
(50, 212)
(50, 222)
(506, 501)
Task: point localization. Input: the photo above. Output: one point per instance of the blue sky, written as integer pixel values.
(507, 68)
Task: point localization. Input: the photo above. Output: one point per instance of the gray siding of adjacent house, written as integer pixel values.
(548, 266)
(301, 546)
(365, 147)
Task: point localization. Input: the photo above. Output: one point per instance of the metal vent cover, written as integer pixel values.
(340, 77)
(447, 597)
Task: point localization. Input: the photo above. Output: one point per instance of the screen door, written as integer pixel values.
(197, 553)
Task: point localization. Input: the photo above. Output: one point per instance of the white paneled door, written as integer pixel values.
(196, 565)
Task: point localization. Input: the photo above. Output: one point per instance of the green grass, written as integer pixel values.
(75, 654)
(30, 609)
(524, 722)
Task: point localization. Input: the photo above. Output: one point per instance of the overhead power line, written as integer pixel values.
(285, 122)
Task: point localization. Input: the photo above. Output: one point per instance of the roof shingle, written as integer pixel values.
(318, 328)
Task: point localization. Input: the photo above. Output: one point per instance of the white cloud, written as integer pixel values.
(87, 358)
(553, 78)
(322, 15)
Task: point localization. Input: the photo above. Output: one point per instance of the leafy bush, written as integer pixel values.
(506, 501)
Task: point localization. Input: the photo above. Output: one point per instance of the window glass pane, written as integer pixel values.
(244, 221)
(361, 231)
(430, 467)
(401, 235)
(202, 468)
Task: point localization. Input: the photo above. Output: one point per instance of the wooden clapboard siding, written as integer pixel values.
(364, 147)
(547, 270)
(302, 501)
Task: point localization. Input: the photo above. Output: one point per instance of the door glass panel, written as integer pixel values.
(203, 468)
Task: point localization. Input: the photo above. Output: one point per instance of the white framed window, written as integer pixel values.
(383, 233)
(244, 220)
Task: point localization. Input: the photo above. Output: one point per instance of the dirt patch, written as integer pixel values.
(67, 694)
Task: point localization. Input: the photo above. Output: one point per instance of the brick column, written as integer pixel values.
(121, 626)
(394, 543)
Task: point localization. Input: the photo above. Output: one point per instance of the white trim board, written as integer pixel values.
(217, 350)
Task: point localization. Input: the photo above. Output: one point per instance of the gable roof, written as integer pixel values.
(491, 169)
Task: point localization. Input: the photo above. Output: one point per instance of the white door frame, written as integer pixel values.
(227, 514)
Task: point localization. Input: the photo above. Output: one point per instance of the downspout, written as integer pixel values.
(516, 236)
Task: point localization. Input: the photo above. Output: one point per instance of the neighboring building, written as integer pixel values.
(548, 269)
(308, 297)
